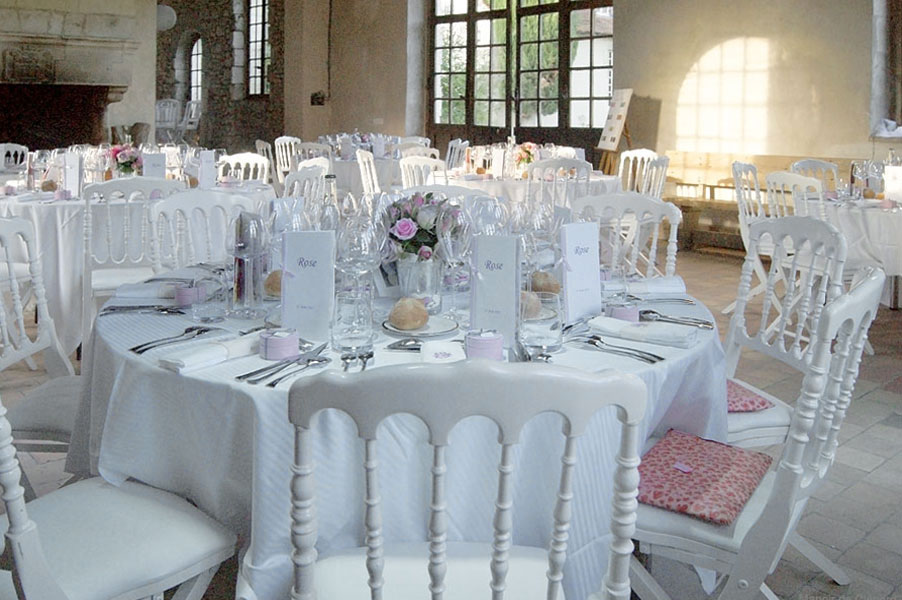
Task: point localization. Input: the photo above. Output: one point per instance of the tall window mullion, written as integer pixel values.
(196, 70)
(451, 61)
(539, 92)
(259, 51)
(591, 60)
(491, 87)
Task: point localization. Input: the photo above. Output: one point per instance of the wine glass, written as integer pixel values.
(454, 231)
(488, 216)
(358, 248)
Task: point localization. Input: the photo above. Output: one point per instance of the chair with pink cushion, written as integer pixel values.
(725, 508)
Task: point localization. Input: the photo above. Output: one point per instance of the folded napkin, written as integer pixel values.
(149, 289)
(199, 356)
(664, 334)
(658, 285)
(442, 352)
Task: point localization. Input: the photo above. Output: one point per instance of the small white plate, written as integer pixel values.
(434, 327)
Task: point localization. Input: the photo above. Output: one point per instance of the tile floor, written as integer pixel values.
(855, 519)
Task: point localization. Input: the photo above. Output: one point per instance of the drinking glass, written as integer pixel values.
(358, 249)
(352, 322)
(455, 236)
(489, 216)
(540, 322)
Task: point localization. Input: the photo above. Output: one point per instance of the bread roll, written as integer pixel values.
(408, 313)
(48, 185)
(543, 281)
(273, 284)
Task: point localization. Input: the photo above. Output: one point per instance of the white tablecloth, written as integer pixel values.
(347, 174)
(228, 446)
(59, 232)
(514, 190)
(873, 234)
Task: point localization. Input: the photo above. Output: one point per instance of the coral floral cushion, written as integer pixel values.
(741, 399)
(698, 477)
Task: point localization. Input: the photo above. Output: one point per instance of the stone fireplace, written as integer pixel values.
(59, 71)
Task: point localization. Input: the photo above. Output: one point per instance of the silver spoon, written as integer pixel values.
(347, 359)
(191, 331)
(365, 358)
(653, 315)
(317, 361)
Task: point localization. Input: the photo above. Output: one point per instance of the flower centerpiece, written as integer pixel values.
(524, 154)
(126, 159)
(411, 226)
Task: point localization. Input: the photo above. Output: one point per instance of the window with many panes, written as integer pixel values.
(196, 71)
(530, 63)
(258, 47)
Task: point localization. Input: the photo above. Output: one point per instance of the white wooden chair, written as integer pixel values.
(307, 150)
(286, 147)
(808, 256)
(824, 171)
(46, 415)
(416, 171)
(190, 119)
(368, 176)
(655, 177)
(751, 207)
(632, 168)
(416, 139)
(319, 161)
(418, 150)
(443, 191)
(629, 224)
(402, 147)
(116, 237)
(245, 166)
(557, 181)
(92, 539)
(13, 157)
(166, 118)
(747, 550)
(192, 227)
(508, 394)
(794, 194)
(457, 148)
(308, 183)
(264, 149)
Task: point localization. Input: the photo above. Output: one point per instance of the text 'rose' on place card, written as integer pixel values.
(495, 285)
(582, 282)
(308, 282)
(153, 165)
(206, 171)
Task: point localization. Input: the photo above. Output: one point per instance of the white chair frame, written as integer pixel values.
(368, 176)
(458, 391)
(415, 171)
(557, 181)
(245, 166)
(14, 157)
(418, 150)
(633, 164)
(655, 177)
(308, 183)
(824, 171)
(286, 149)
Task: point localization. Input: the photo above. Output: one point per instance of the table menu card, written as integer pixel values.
(892, 177)
(346, 149)
(154, 165)
(378, 147)
(497, 163)
(308, 282)
(495, 286)
(206, 172)
(582, 282)
(72, 174)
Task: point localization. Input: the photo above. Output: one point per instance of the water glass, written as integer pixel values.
(540, 321)
(352, 322)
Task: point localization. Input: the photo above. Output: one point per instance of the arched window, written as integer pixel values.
(197, 70)
(258, 47)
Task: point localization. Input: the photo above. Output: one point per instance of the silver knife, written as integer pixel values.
(267, 372)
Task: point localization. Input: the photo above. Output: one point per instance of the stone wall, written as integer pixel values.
(231, 119)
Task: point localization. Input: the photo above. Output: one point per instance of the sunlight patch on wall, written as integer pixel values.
(722, 106)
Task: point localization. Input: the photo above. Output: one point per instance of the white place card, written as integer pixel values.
(582, 282)
(580, 153)
(497, 163)
(346, 148)
(154, 165)
(206, 171)
(308, 282)
(495, 285)
(379, 147)
(892, 183)
(72, 173)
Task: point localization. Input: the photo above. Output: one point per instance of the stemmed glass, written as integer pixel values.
(454, 231)
(358, 248)
(488, 216)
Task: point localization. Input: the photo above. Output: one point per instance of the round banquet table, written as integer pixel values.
(873, 233)
(228, 447)
(59, 235)
(347, 174)
(514, 190)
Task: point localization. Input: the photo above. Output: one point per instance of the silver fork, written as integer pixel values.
(601, 345)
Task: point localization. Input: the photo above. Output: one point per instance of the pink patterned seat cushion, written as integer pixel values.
(698, 477)
(741, 399)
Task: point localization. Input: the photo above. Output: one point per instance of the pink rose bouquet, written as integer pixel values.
(126, 158)
(410, 223)
(525, 153)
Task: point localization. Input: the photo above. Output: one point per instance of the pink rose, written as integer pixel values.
(418, 200)
(425, 252)
(404, 229)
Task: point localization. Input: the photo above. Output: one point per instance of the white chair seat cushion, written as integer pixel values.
(101, 540)
(764, 424)
(742, 397)
(702, 478)
(107, 280)
(661, 526)
(50, 407)
(344, 576)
